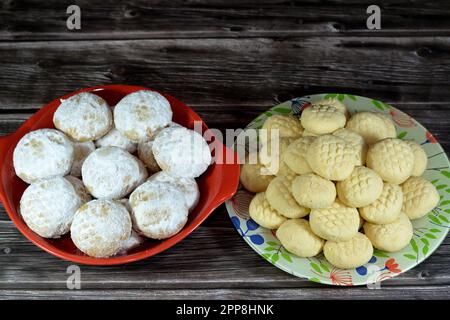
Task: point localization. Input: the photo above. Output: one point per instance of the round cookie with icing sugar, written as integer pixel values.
(349, 254)
(253, 178)
(390, 237)
(80, 150)
(419, 197)
(357, 142)
(145, 153)
(361, 188)
(386, 208)
(312, 191)
(264, 215)
(272, 153)
(420, 158)
(83, 117)
(336, 223)
(392, 159)
(279, 195)
(116, 139)
(42, 154)
(295, 155)
(100, 227)
(334, 103)
(140, 114)
(371, 127)
(287, 126)
(297, 237)
(322, 119)
(331, 157)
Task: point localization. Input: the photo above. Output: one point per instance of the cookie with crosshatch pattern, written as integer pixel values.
(386, 208)
(322, 119)
(419, 197)
(261, 211)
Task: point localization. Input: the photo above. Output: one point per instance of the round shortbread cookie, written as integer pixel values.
(263, 214)
(349, 254)
(181, 152)
(331, 157)
(297, 237)
(371, 126)
(145, 153)
(419, 197)
(313, 191)
(420, 158)
(116, 139)
(253, 178)
(357, 142)
(336, 223)
(392, 159)
(271, 154)
(80, 150)
(287, 126)
(279, 195)
(100, 227)
(390, 126)
(112, 173)
(83, 117)
(42, 154)
(390, 237)
(188, 186)
(295, 155)
(138, 115)
(322, 119)
(159, 209)
(48, 206)
(334, 103)
(361, 188)
(386, 208)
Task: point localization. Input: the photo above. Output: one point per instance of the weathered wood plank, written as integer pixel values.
(109, 19)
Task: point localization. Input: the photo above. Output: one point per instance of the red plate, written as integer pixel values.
(216, 185)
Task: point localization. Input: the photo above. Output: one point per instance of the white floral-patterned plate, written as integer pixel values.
(429, 231)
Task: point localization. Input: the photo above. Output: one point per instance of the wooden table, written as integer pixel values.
(228, 60)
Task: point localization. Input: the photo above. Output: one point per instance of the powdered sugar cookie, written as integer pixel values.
(386, 208)
(181, 152)
(419, 197)
(83, 117)
(264, 215)
(100, 227)
(159, 209)
(349, 254)
(145, 153)
(295, 155)
(392, 159)
(361, 188)
(297, 237)
(253, 179)
(116, 139)
(287, 126)
(371, 126)
(420, 158)
(271, 155)
(334, 103)
(42, 154)
(48, 206)
(313, 191)
(138, 115)
(331, 157)
(322, 119)
(80, 150)
(390, 237)
(112, 173)
(80, 189)
(336, 223)
(188, 186)
(279, 195)
(357, 142)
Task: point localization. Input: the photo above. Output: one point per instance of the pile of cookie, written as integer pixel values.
(115, 203)
(344, 184)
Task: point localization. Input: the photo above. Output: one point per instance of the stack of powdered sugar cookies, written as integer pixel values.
(113, 150)
(344, 184)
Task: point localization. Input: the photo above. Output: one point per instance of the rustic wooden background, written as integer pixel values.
(228, 60)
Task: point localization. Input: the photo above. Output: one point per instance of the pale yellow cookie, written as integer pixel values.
(264, 215)
(349, 254)
(271, 154)
(252, 178)
(420, 158)
(390, 126)
(288, 127)
(295, 155)
(419, 197)
(336, 223)
(313, 191)
(361, 188)
(297, 237)
(331, 157)
(390, 237)
(392, 159)
(322, 119)
(335, 103)
(386, 208)
(371, 126)
(357, 142)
